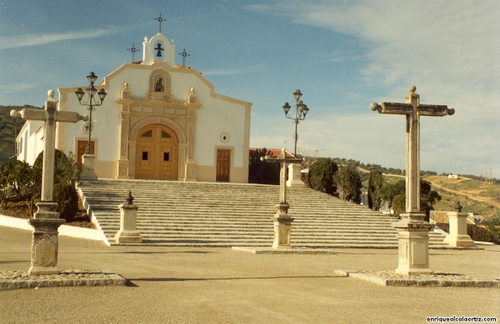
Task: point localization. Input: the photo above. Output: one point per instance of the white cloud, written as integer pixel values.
(250, 69)
(449, 50)
(42, 39)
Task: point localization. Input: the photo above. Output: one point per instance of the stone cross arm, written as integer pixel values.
(396, 108)
(60, 116)
(283, 160)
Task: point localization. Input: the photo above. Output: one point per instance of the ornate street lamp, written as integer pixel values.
(91, 102)
(301, 111)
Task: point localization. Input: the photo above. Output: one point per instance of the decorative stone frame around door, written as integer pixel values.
(136, 113)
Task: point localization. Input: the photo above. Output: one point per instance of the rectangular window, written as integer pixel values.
(166, 156)
(144, 156)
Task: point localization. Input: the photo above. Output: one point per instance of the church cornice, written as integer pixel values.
(144, 102)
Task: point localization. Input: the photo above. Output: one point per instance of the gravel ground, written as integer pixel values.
(209, 285)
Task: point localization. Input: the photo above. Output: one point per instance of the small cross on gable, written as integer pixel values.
(160, 20)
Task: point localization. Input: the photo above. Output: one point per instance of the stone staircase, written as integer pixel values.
(225, 215)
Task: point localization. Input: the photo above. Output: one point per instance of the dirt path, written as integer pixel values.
(204, 285)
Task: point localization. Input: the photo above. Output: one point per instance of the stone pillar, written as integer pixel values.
(128, 223)
(88, 161)
(282, 227)
(413, 244)
(294, 175)
(190, 170)
(458, 228)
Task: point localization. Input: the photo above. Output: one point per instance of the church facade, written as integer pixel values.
(159, 120)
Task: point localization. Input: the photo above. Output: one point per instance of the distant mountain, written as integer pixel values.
(9, 128)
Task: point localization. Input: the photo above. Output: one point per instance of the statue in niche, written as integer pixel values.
(159, 87)
(192, 96)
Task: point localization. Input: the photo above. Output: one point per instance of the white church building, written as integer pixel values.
(160, 120)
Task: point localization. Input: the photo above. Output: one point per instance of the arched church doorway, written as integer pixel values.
(157, 150)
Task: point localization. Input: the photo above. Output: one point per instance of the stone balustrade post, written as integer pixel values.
(458, 228)
(128, 223)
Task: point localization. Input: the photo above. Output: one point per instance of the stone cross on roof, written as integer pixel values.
(184, 54)
(160, 20)
(133, 50)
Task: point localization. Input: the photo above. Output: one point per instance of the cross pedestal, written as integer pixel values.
(413, 231)
(413, 244)
(44, 244)
(282, 221)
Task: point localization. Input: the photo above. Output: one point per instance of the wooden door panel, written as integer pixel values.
(223, 165)
(156, 153)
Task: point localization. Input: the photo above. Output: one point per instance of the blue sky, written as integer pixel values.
(342, 55)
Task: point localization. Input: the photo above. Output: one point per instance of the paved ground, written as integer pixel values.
(207, 285)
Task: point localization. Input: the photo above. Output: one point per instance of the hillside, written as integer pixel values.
(474, 195)
(9, 128)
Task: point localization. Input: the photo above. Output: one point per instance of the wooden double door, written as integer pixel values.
(157, 153)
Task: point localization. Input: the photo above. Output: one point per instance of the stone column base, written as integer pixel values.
(88, 161)
(282, 231)
(190, 171)
(128, 225)
(413, 244)
(128, 237)
(458, 230)
(294, 176)
(44, 246)
(282, 227)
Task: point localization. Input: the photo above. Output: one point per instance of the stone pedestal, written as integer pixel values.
(45, 242)
(190, 170)
(88, 173)
(458, 230)
(282, 227)
(294, 175)
(128, 225)
(413, 244)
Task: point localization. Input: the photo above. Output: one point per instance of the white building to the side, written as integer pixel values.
(159, 120)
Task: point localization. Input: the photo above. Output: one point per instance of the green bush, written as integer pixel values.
(348, 181)
(482, 234)
(399, 204)
(65, 174)
(320, 176)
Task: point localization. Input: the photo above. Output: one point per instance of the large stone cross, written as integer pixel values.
(413, 231)
(412, 109)
(46, 220)
(282, 222)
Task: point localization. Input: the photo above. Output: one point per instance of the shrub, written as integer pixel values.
(399, 204)
(65, 174)
(321, 175)
(348, 180)
(481, 234)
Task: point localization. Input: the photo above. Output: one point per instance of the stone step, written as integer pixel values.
(218, 214)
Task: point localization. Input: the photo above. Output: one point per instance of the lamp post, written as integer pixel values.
(301, 111)
(91, 102)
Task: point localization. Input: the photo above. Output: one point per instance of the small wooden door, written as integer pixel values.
(223, 165)
(82, 147)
